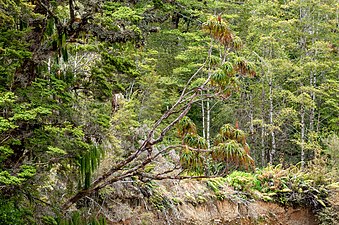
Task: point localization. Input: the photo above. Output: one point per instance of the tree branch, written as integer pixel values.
(147, 144)
(175, 177)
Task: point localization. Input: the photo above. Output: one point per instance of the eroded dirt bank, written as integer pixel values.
(224, 212)
(191, 202)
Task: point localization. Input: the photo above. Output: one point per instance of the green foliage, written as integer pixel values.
(285, 186)
(59, 76)
(76, 218)
(11, 213)
(186, 126)
(243, 181)
(328, 216)
(293, 67)
(13, 46)
(7, 179)
(195, 141)
(157, 198)
(160, 201)
(26, 172)
(230, 149)
(332, 151)
(89, 162)
(192, 161)
(216, 184)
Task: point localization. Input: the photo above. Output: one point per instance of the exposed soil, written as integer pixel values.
(199, 207)
(225, 212)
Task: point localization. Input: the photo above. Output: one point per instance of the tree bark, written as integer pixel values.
(71, 11)
(302, 153)
(208, 123)
(273, 149)
(203, 119)
(263, 155)
(251, 121)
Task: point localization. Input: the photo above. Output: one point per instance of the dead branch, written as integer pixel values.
(113, 175)
(175, 177)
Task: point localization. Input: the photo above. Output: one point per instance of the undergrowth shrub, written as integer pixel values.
(289, 186)
(155, 196)
(11, 213)
(328, 216)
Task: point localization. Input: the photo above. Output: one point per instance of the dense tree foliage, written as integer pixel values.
(94, 92)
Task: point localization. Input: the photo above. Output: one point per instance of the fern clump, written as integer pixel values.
(290, 186)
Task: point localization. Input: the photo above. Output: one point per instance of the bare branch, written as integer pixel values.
(112, 174)
(175, 177)
(166, 129)
(190, 80)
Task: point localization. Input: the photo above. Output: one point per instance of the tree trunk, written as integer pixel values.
(273, 149)
(302, 154)
(208, 124)
(71, 11)
(49, 65)
(203, 119)
(313, 80)
(263, 155)
(251, 122)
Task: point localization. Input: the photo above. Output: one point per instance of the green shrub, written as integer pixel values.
(284, 186)
(10, 213)
(243, 181)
